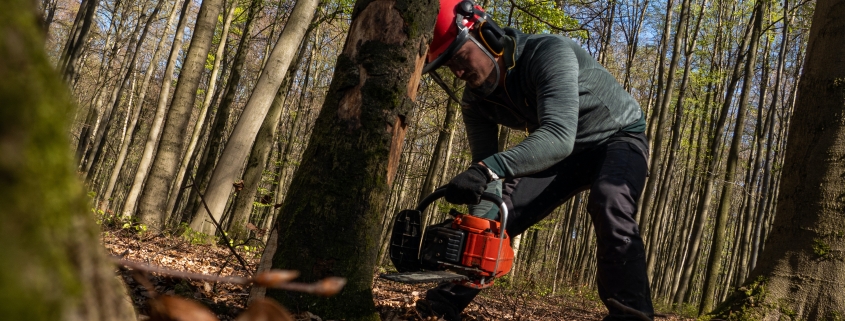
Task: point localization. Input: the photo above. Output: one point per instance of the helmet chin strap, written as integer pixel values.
(487, 87)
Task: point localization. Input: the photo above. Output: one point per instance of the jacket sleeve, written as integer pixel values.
(553, 72)
(482, 133)
(483, 138)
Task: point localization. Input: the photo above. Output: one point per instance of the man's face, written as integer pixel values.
(472, 65)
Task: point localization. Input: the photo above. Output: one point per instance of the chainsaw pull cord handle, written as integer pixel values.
(503, 217)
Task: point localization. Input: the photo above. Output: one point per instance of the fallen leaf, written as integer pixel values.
(265, 310)
(172, 308)
(273, 278)
(330, 286)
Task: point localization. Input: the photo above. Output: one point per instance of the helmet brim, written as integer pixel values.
(460, 39)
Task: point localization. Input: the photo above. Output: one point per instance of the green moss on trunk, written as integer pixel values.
(52, 267)
(746, 303)
(330, 221)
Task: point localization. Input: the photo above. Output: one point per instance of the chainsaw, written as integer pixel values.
(468, 250)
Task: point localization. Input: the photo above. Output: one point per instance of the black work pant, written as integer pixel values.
(615, 173)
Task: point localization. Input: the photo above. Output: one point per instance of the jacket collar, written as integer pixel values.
(514, 42)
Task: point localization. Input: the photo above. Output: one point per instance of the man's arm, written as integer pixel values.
(553, 71)
(482, 135)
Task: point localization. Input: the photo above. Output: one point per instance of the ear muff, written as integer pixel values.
(489, 32)
(491, 36)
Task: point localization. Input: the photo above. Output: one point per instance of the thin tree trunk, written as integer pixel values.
(231, 161)
(151, 145)
(218, 133)
(77, 38)
(125, 145)
(753, 182)
(206, 104)
(437, 163)
(661, 62)
(633, 40)
(657, 161)
(151, 207)
(260, 152)
(134, 46)
(711, 166)
(714, 265)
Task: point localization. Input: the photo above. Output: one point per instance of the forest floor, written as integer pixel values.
(394, 301)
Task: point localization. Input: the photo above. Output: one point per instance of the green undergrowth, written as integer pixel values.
(110, 222)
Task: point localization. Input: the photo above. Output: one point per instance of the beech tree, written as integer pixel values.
(801, 272)
(153, 202)
(329, 222)
(53, 267)
(237, 148)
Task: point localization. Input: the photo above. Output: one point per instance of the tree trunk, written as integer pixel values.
(218, 134)
(151, 144)
(651, 233)
(206, 104)
(352, 157)
(114, 103)
(801, 272)
(438, 159)
(53, 266)
(231, 162)
(260, 152)
(664, 39)
(125, 145)
(77, 38)
(632, 37)
(151, 210)
(714, 265)
(711, 164)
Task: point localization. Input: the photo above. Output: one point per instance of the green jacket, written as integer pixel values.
(555, 91)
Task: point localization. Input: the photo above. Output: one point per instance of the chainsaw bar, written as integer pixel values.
(423, 277)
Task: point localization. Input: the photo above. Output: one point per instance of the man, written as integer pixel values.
(584, 132)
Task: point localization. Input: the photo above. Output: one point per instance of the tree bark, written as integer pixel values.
(77, 38)
(337, 196)
(152, 140)
(801, 272)
(53, 266)
(714, 265)
(218, 133)
(206, 104)
(124, 147)
(651, 233)
(265, 137)
(151, 210)
(231, 162)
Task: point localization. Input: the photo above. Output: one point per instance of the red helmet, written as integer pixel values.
(448, 37)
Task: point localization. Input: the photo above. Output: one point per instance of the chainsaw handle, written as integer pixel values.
(441, 191)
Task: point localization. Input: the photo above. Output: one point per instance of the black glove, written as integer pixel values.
(467, 187)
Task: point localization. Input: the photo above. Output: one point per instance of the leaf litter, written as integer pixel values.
(394, 301)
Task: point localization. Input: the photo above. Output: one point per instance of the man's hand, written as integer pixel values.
(467, 187)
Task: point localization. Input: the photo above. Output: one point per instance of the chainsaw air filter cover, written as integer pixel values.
(442, 244)
(405, 241)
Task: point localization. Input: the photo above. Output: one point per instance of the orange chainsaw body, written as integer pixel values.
(482, 249)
